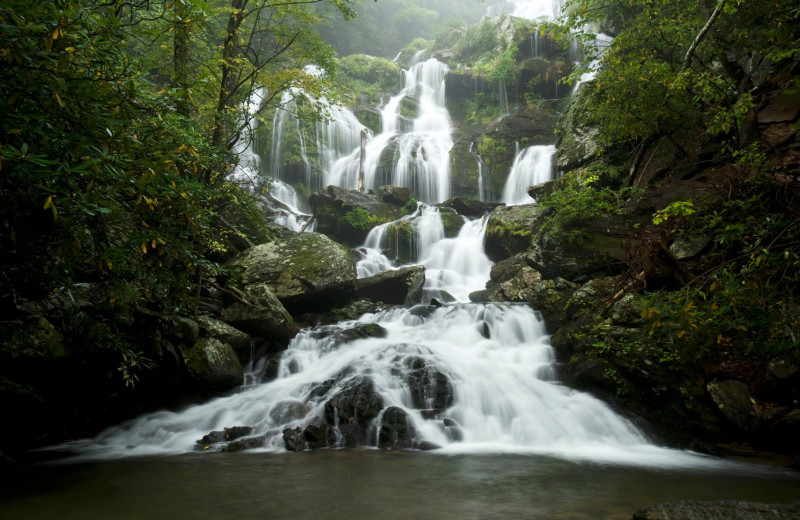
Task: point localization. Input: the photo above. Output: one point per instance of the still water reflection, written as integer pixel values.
(368, 484)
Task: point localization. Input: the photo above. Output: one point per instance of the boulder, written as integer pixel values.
(396, 195)
(214, 364)
(734, 400)
(353, 410)
(240, 341)
(397, 430)
(396, 287)
(288, 411)
(219, 436)
(342, 337)
(263, 316)
(470, 207)
(512, 230)
(308, 271)
(724, 509)
(311, 438)
(686, 247)
(249, 443)
(350, 215)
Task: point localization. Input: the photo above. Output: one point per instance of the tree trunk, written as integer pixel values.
(229, 79)
(180, 57)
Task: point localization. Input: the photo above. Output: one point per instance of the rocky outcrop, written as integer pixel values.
(397, 287)
(430, 388)
(225, 333)
(306, 271)
(736, 403)
(724, 509)
(470, 207)
(577, 136)
(348, 216)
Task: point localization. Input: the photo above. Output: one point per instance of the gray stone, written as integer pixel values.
(734, 400)
(287, 411)
(301, 270)
(686, 247)
(214, 364)
(240, 341)
(721, 510)
(396, 287)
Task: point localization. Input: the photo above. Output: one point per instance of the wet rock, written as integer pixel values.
(686, 247)
(250, 443)
(734, 400)
(426, 446)
(308, 271)
(397, 195)
(625, 311)
(353, 409)
(349, 215)
(395, 287)
(293, 439)
(287, 411)
(470, 207)
(429, 387)
(724, 509)
(240, 341)
(397, 430)
(214, 364)
(226, 435)
(452, 222)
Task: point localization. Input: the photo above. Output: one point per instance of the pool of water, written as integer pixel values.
(368, 484)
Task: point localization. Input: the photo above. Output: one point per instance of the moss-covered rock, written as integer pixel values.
(214, 364)
(512, 230)
(397, 287)
(303, 271)
(576, 136)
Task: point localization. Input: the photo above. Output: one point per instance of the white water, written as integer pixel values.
(532, 166)
(529, 9)
(246, 172)
(495, 356)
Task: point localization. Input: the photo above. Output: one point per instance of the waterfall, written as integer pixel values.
(482, 192)
(246, 172)
(532, 166)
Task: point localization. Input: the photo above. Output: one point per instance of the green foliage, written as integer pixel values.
(681, 208)
(361, 219)
(360, 75)
(745, 303)
(643, 86)
(586, 194)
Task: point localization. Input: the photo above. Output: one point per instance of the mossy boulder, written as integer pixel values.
(349, 216)
(512, 230)
(304, 271)
(397, 287)
(214, 364)
(219, 330)
(470, 207)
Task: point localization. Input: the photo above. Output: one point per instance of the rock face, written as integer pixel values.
(303, 271)
(348, 216)
(214, 363)
(576, 143)
(430, 387)
(240, 341)
(398, 287)
(725, 509)
(353, 410)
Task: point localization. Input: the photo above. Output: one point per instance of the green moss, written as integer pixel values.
(362, 220)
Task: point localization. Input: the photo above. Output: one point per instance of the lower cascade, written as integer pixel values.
(458, 377)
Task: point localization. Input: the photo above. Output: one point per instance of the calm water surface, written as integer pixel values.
(367, 484)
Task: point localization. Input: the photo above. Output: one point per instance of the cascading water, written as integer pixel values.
(534, 165)
(492, 364)
(246, 173)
